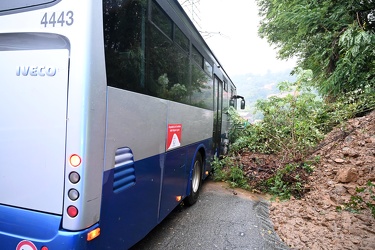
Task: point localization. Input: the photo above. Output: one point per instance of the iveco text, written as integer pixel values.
(36, 71)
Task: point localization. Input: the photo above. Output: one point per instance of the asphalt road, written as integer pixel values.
(222, 218)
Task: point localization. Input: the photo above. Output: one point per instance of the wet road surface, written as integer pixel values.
(222, 218)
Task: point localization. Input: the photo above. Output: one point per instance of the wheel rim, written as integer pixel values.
(196, 177)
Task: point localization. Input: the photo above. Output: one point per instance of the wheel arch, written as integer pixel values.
(201, 149)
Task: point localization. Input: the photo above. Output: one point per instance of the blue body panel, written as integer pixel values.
(132, 213)
(126, 216)
(40, 228)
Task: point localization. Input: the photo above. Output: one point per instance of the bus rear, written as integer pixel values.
(110, 114)
(48, 130)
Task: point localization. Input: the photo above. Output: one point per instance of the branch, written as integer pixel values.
(359, 22)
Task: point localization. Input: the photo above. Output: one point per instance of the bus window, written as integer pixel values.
(161, 20)
(197, 57)
(167, 68)
(124, 37)
(202, 88)
(181, 39)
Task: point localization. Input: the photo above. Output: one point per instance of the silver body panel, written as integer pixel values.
(140, 122)
(133, 121)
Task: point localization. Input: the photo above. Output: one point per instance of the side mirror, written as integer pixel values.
(235, 97)
(242, 104)
(231, 102)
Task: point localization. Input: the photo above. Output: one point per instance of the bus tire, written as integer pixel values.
(196, 181)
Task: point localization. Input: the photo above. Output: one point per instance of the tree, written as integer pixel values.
(335, 39)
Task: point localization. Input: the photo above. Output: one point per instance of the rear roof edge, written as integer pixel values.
(15, 6)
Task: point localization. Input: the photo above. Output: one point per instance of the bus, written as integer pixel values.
(111, 112)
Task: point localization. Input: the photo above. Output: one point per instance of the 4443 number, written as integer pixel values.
(55, 19)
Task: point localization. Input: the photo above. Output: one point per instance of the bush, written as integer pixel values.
(290, 124)
(226, 169)
(288, 181)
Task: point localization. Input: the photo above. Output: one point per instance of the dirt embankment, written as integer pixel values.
(347, 161)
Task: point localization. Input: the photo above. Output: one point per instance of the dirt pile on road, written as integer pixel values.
(321, 220)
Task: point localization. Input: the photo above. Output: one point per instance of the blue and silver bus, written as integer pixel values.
(111, 112)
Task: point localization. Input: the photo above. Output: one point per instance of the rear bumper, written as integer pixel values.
(41, 229)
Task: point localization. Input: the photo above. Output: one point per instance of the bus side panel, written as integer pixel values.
(160, 176)
(196, 125)
(127, 216)
(177, 174)
(137, 122)
(174, 181)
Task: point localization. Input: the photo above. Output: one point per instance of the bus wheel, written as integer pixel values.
(196, 179)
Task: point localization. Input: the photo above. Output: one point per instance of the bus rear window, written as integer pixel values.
(18, 4)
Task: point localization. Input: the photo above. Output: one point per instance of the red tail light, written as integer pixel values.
(72, 211)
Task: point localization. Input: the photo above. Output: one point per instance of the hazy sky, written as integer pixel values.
(233, 27)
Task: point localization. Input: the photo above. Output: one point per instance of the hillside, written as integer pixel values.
(347, 161)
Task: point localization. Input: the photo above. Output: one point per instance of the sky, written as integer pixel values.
(232, 26)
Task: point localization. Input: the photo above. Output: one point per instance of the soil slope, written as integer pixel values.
(347, 161)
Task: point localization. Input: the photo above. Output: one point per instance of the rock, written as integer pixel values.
(330, 183)
(338, 160)
(351, 189)
(349, 139)
(351, 153)
(340, 190)
(356, 241)
(361, 143)
(330, 217)
(304, 238)
(346, 175)
(368, 140)
(359, 163)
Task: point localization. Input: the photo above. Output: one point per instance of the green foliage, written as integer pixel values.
(218, 166)
(355, 103)
(289, 128)
(288, 181)
(226, 169)
(254, 138)
(297, 119)
(238, 124)
(290, 125)
(237, 178)
(333, 39)
(365, 198)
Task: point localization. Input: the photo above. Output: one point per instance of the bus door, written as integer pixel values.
(218, 106)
